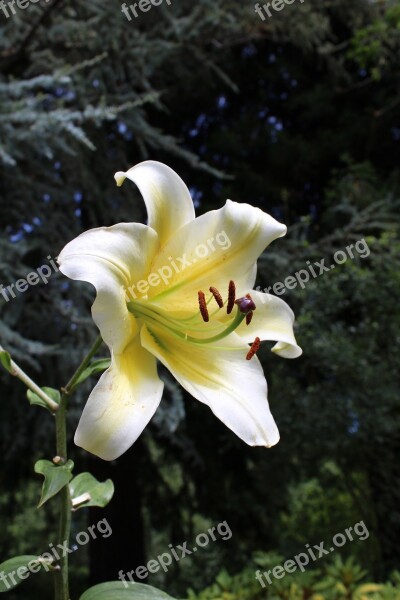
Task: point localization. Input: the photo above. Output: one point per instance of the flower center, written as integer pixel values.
(192, 329)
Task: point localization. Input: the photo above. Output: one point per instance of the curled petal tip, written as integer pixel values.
(120, 178)
(287, 350)
(282, 229)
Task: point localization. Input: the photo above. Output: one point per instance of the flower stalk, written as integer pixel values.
(61, 578)
(61, 575)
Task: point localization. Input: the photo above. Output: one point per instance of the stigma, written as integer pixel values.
(246, 307)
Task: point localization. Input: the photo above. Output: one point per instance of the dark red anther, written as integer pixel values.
(203, 306)
(254, 348)
(249, 317)
(217, 296)
(231, 297)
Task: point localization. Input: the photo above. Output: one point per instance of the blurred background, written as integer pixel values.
(298, 114)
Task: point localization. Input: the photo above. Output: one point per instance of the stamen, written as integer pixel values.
(249, 317)
(217, 296)
(156, 316)
(203, 307)
(254, 348)
(231, 297)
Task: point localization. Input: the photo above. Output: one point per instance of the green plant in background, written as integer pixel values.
(340, 402)
(336, 580)
(374, 47)
(342, 578)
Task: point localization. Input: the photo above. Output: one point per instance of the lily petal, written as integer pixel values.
(167, 198)
(220, 376)
(218, 246)
(122, 403)
(273, 320)
(111, 258)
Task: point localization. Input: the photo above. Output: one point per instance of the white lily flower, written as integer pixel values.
(154, 302)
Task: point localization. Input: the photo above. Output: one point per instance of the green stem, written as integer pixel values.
(61, 579)
(69, 388)
(61, 585)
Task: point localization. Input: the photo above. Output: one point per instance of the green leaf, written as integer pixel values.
(35, 399)
(10, 569)
(5, 360)
(100, 493)
(117, 590)
(97, 366)
(55, 478)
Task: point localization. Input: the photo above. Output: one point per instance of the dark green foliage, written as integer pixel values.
(298, 115)
(335, 580)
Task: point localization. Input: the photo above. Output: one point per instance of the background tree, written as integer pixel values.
(298, 114)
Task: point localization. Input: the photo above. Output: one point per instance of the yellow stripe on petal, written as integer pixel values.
(219, 246)
(121, 404)
(219, 376)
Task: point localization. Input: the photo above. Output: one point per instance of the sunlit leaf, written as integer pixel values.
(118, 590)
(100, 492)
(5, 360)
(15, 570)
(55, 478)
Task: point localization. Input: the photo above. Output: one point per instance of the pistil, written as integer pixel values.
(154, 316)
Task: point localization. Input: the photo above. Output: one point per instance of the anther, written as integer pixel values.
(231, 297)
(249, 317)
(203, 307)
(254, 348)
(217, 296)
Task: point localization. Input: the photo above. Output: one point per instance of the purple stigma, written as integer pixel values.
(245, 305)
